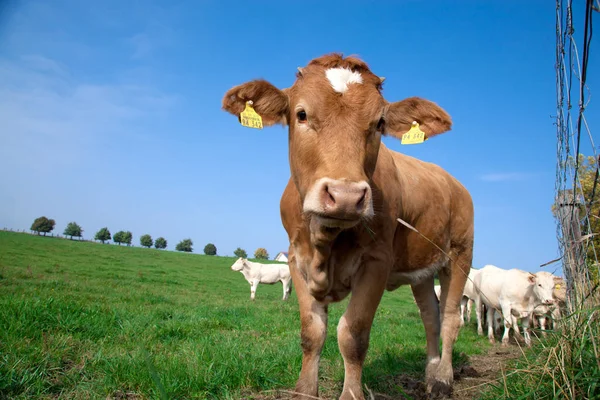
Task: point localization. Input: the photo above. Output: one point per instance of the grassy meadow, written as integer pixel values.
(83, 320)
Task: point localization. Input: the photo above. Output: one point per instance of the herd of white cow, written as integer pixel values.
(502, 298)
(505, 297)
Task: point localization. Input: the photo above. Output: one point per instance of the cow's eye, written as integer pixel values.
(301, 115)
(380, 124)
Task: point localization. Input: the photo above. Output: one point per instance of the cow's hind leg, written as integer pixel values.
(285, 283)
(452, 280)
(491, 323)
(313, 318)
(479, 312)
(430, 314)
(463, 306)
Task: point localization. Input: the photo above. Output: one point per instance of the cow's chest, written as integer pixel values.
(343, 268)
(342, 263)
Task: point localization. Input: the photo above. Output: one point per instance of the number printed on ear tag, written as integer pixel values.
(250, 118)
(414, 135)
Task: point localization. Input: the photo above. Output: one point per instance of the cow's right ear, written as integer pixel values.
(531, 278)
(269, 102)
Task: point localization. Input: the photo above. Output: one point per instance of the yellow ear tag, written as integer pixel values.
(557, 287)
(250, 118)
(414, 135)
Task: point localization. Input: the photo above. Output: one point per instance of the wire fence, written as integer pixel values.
(577, 204)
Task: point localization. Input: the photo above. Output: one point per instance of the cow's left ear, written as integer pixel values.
(400, 115)
(268, 101)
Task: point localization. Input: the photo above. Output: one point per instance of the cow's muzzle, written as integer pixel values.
(339, 203)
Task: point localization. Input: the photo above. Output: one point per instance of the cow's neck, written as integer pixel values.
(529, 297)
(245, 270)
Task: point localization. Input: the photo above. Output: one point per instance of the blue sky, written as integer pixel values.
(111, 112)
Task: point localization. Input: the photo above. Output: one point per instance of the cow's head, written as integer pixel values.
(560, 290)
(239, 264)
(336, 116)
(543, 286)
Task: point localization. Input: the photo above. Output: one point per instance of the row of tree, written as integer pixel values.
(45, 225)
(260, 253)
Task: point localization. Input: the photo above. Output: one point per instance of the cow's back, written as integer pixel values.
(498, 286)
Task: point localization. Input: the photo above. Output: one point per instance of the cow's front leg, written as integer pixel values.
(526, 329)
(515, 326)
(542, 323)
(507, 317)
(253, 287)
(313, 318)
(430, 314)
(354, 327)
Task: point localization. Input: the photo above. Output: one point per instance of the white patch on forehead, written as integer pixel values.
(340, 78)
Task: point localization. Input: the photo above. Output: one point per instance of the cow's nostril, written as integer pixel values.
(361, 201)
(330, 199)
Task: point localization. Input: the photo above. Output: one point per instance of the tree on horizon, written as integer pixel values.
(43, 225)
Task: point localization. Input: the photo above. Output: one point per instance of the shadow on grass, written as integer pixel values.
(402, 375)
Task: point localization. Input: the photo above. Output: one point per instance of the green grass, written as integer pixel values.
(86, 320)
(564, 365)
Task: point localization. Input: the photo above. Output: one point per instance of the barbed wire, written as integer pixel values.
(573, 206)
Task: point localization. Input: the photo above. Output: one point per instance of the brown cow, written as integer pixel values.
(340, 210)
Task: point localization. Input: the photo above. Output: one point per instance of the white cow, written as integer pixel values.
(256, 273)
(513, 292)
(551, 314)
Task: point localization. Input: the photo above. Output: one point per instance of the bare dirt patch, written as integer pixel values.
(470, 379)
(482, 370)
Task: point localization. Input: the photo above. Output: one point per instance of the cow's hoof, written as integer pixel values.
(299, 396)
(351, 395)
(492, 340)
(439, 386)
(440, 390)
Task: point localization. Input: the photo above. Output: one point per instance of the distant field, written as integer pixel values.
(82, 320)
